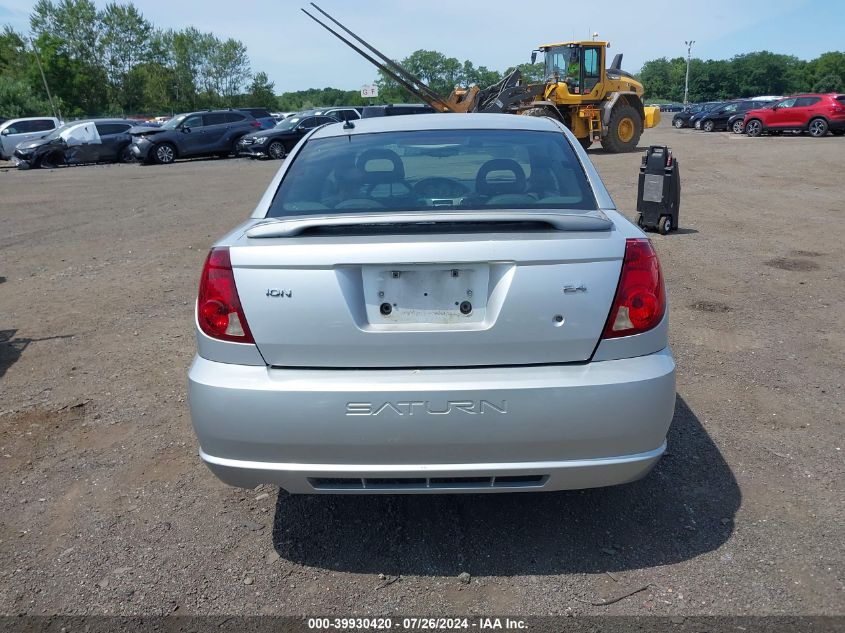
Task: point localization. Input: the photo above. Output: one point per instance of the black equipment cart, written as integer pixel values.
(659, 191)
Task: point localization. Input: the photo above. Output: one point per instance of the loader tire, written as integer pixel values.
(623, 130)
(552, 114)
(542, 111)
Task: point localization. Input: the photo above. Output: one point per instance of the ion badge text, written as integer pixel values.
(278, 292)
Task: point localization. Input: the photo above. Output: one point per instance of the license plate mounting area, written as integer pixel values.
(426, 294)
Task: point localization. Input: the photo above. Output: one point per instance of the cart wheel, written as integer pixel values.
(640, 221)
(664, 225)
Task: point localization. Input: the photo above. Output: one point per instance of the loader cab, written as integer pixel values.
(579, 66)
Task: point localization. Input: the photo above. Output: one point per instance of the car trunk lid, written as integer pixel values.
(500, 288)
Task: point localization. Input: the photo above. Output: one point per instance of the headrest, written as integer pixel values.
(517, 185)
(373, 164)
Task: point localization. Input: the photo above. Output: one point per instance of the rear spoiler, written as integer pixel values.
(594, 220)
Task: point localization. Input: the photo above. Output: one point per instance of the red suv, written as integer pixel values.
(815, 113)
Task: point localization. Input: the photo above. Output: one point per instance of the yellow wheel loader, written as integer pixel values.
(596, 103)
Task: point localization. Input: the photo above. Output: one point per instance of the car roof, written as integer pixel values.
(440, 121)
(214, 111)
(399, 106)
(99, 121)
(27, 118)
(321, 111)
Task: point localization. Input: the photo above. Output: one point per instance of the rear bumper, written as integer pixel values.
(440, 478)
(492, 429)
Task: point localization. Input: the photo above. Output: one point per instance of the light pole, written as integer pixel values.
(686, 82)
(56, 113)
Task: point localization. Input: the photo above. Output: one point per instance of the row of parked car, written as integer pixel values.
(47, 142)
(668, 107)
(816, 114)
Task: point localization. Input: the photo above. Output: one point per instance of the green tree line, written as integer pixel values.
(439, 72)
(752, 74)
(114, 61)
(748, 75)
(442, 74)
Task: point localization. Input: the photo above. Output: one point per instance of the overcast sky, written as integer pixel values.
(296, 53)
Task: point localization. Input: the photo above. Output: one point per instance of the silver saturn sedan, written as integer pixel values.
(433, 304)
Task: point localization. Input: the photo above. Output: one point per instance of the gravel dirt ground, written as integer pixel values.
(106, 509)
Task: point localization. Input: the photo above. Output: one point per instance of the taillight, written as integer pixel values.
(255, 124)
(219, 311)
(640, 300)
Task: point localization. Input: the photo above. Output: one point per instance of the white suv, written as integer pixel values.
(341, 114)
(16, 131)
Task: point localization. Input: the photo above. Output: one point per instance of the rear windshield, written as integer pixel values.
(443, 169)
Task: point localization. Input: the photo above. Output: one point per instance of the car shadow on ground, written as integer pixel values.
(683, 231)
(191, 159)
(684, 508)
(596, 148)
(11, 348)
(678, 231)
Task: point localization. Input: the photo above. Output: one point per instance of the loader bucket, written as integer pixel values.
(652, 116)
